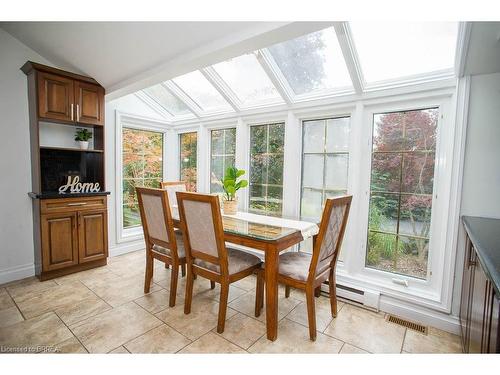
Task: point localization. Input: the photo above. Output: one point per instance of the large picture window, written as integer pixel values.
(325, 162)
(266, 168)
(187, 155)
(402, 178)
(222, 155)
(142, 160)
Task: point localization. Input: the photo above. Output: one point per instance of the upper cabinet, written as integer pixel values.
(67, 97)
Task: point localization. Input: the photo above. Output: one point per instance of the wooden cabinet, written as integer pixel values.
(59, 240)
(67, 97)
(92, 235)
(73, 233)
(479, 306)
(89, 101)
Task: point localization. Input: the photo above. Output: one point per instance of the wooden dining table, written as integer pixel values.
(269, 239)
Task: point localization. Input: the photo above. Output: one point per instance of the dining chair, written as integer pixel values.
(162, 241)
(308, 271)
(206, 251)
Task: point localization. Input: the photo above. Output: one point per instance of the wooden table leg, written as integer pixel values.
(271, 269)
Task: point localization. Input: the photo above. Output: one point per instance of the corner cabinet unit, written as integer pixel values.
(480, 301)
(70, 231)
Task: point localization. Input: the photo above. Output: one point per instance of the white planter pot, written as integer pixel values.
(84, 145)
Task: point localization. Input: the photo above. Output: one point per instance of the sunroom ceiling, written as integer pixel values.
(344, 59)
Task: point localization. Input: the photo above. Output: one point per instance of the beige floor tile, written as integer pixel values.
(52, 298)
(162, 339)
(203, 317)
(200, 285)
(294, 338)
(122, 291)
(350, 349)
(323, 315)
(43, 330)
(106, 331)
(80, 310)
(366, 330)
(246, 305)
(26, 288)
(119, 350)
(99, 273)
(211, 343)
(436, 341)
(5, 301)
(71, 346)
(248, 283)
(214, 294)
(243, 330)
(158, 301)
(10, 316)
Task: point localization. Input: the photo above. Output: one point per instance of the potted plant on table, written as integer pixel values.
(231, 186)
(82, 136)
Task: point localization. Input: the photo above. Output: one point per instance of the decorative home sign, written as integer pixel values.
(75, 186)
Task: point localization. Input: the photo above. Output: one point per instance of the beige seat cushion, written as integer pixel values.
(237, 261)
(181, 253)
(295, 265)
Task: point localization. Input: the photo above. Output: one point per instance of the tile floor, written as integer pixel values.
(104, 310)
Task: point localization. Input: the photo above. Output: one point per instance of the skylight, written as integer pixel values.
(391, 50)
(246, 78)
(167, 100)
(197, 87)
(312, 63)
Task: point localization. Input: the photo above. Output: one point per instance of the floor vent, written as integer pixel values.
(406, 323)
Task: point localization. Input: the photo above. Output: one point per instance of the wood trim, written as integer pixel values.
(70, 204)
(29, 66)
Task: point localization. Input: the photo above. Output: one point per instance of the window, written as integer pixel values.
(390, 50)
(188, 160)
(402, 178)
(142, 160)
(222, 155)
(197, 87)
(167, 100)
(312, 63)
(266, 168)
(325, 161)
(245, 76)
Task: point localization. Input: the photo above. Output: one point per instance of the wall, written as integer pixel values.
(481, 175)
(16, 223)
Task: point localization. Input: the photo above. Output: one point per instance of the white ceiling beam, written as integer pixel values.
(462, 49)
(350, 54)
(278, 80)
(183, 97)
(221, 86)
(153, 105)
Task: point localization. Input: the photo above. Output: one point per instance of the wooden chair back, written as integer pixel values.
(156, 219)
(331, 233)
(203, 230)
(173, 187)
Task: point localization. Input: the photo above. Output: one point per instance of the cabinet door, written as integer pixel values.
(478, 308)
(59, 240)
(55, 97)
(494, 333)
(89, 101)
(92, 234)
(465, 301)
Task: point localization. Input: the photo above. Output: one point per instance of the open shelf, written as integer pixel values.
(68, 149)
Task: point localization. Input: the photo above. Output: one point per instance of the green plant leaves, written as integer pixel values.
(229, 183)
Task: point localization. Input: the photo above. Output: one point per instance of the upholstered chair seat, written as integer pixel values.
(181, 252)
(237, 261)
(295, 265)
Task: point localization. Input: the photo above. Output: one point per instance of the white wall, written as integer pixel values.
(132, 105)
(481, 176)
(16, 223)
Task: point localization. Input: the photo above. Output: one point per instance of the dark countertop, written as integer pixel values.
(55, 195)
(484, 234)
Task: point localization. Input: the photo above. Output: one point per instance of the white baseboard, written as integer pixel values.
(17, 273)
(125, 248)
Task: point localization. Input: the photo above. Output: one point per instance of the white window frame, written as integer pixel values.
(125, 120)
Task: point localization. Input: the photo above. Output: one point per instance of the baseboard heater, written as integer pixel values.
(368, 298)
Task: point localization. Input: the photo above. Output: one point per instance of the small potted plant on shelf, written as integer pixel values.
(231, 186)
(82, 136)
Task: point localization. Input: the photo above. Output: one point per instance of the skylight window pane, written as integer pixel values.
(312, 63)
(202, 92)
(391, 50)
(247, 79)
(168, 101)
